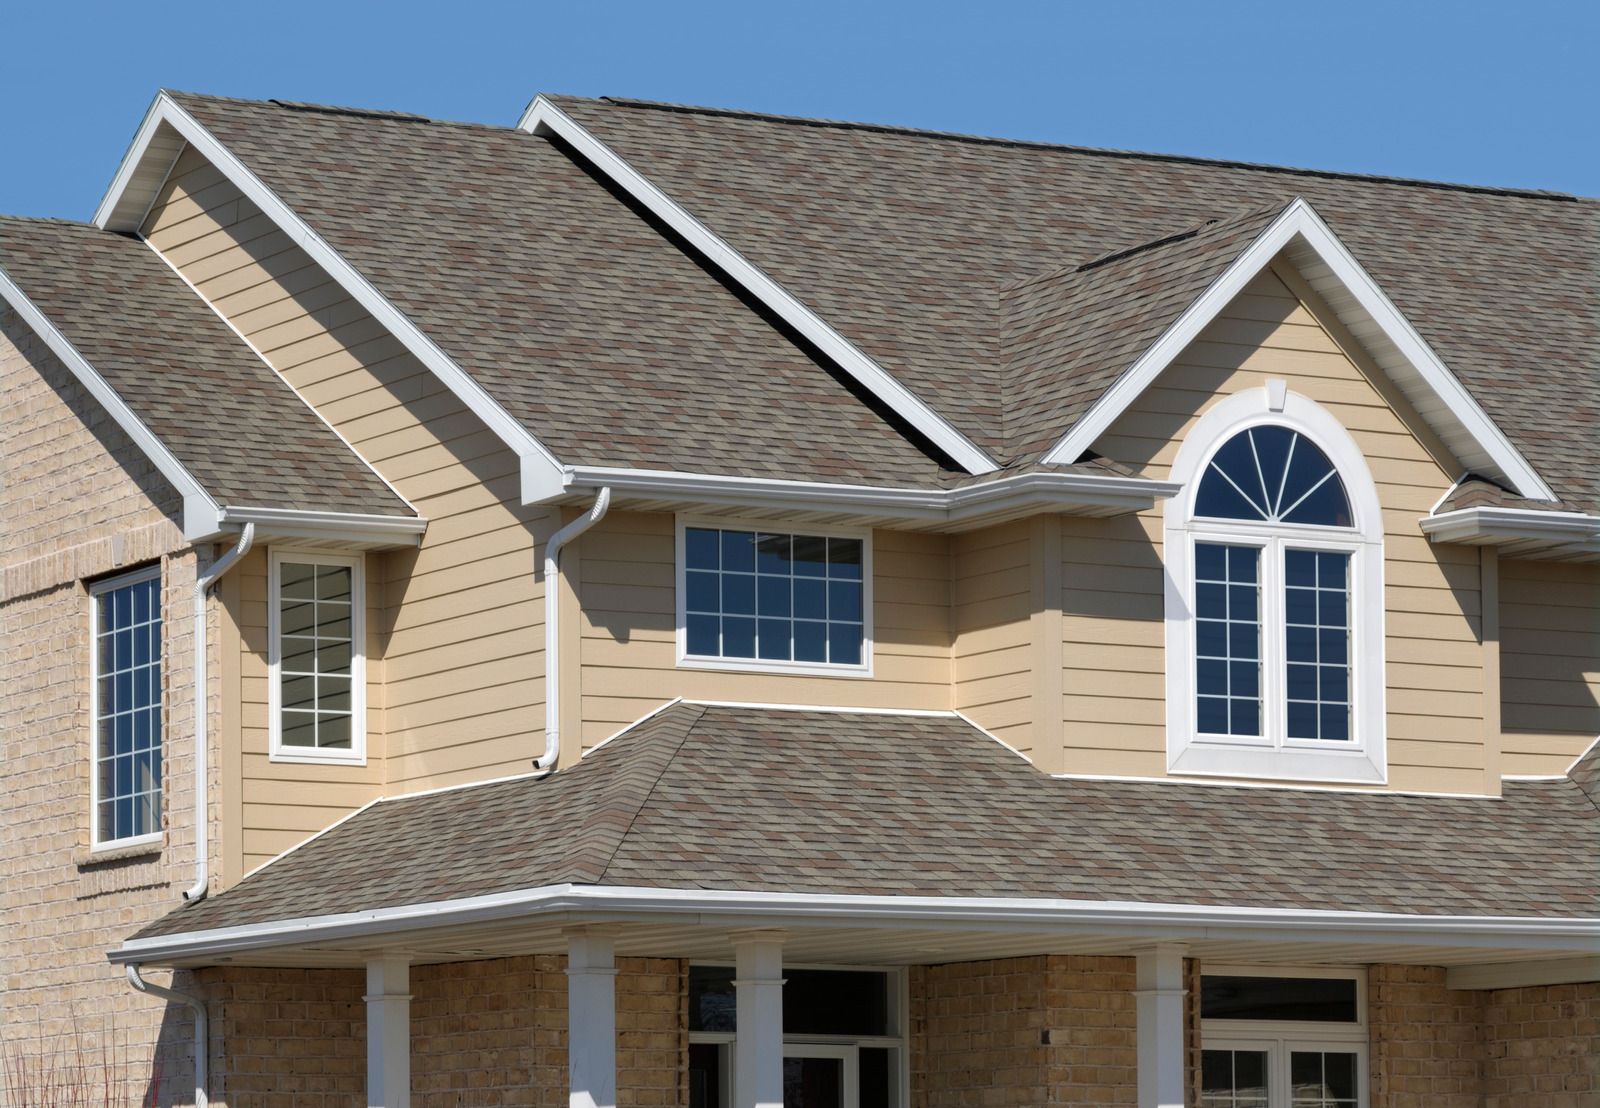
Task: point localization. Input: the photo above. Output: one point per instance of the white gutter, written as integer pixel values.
(938, 507)
(195, 1005)
(1497, 526)
(346, 526)
(552, 626)
(202, 783)
(766, 909)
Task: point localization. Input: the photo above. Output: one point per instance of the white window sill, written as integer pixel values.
(119, 849)
(299, 758)
(1203, 758)
(792, 669)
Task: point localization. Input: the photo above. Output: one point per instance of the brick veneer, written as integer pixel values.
(77, 500)
(1542, 1046)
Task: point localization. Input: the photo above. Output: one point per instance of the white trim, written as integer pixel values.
(685, 660)
(278, 752)
(544, 118)
(98, 589)
(541, 473)
(836, 709)
(1361, 760)
(342, 526)
(964, 507)
(1576, 533)
(1586, 751)
(1517, 975)
(1297, 786)
(711, 907)
(200, 511)
(1300, 223)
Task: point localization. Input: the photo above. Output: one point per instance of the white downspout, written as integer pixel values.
(195, 1005)
(202, 783)
(552, 617)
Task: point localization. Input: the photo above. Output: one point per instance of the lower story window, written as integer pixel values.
(126, 661)
(1282, 1039)
(843, 1044)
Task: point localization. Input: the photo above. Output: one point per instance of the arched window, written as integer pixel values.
(1274, 601)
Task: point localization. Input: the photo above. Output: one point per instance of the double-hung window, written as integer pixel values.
(316, 617)
(1275, 606)
(125, 785)
(773, 599)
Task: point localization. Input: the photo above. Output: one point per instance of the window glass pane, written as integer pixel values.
(127, 724)
(707, 1065)
(1233, 1079)
(1227, 640)
(874, 1076)
(1322, 1080)
(711, 998)
(805, 594)
(1273, 473)
(835, 1002)
(1322, 999)
(316, 655)
(1316, 640)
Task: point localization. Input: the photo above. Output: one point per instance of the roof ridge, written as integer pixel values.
(649, 790)
(311, 108)
(1095, 151)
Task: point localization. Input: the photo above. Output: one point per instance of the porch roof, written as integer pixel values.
(762, 800)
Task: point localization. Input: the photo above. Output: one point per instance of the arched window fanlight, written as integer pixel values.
(1275, 475)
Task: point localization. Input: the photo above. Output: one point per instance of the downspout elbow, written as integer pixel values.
(202, 773)
(552, 625)
(201, 1024)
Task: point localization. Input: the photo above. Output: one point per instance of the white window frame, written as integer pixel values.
(97, 590)
(686, 660)
(1362, 759)
(1279, 1038)
(847, 1047)
(357, 754)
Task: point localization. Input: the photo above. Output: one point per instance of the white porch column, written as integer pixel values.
(591, 1018)
(389, 1032)
(758, 1048)
(1162, 1046)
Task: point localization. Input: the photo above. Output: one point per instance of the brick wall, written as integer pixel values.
(77, 499)
(1542, 1046)
(1425, 1050)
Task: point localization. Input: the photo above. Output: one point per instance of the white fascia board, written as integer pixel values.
(714, 908)
(1300, 220)
(1491, 526)
(1041, 491)
(342, 526)
(201, 513)
(545, 118)
(541, 473)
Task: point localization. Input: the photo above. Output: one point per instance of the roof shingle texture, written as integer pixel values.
(903, 240)
(586, 321)
(737, 798)
(236, 426)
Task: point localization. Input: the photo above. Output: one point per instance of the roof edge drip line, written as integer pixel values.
(821, 910)
(544, 117)
(123, 208)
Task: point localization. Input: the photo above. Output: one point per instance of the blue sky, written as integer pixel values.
(1488, 93)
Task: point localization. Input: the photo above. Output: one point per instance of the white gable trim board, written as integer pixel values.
(1392, 341)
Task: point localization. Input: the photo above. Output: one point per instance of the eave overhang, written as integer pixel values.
(344, 531)
(485, 926)
(958, 509)
(1520, 532)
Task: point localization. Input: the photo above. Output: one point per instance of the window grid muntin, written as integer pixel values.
(772, 582)
(1218, 1091)
(1239, 661)
(1264, 486)
(316, 600)
(1319, 648)
(127, 708)
(1314, 1084)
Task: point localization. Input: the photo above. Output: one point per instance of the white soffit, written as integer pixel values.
(167, 127)
(1329, 267)
(545, 118)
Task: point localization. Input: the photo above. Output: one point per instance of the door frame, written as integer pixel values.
(849, 1056)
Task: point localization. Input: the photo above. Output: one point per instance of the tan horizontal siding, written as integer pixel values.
(461, 617)
(1549, 663)
(1113, 605)
(992, 648)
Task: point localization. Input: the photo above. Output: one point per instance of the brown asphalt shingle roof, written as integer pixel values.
(738, 798)
(903, 240)
(233, 423)
(583, 318)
